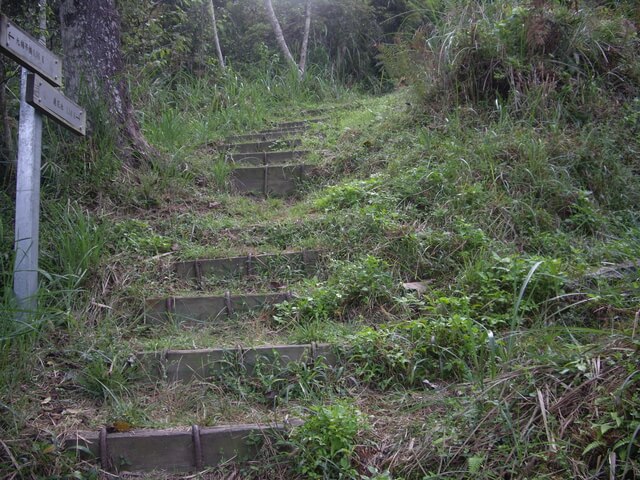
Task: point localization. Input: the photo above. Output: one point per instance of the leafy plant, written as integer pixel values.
(273, 380)
(326, 442)
(496, 286)
(138, 236)
(411, 352)
(358, 283)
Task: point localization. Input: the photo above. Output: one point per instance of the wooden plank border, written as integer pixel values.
(276, 181)
(243, 266)
(188, 365)
(173, 450)
(207, 309)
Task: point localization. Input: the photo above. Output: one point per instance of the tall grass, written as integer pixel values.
(539, 59)
(186, 112)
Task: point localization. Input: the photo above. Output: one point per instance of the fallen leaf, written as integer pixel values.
(119, 426)
(45, 401)
(49, 449)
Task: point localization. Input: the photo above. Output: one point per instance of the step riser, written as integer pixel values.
(276, 181)
(207, 309)
(245, 266)
(189, 365)
(261, 146)
(170, 450)
(267, 158)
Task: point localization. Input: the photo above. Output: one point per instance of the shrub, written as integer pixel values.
(410, 352)
(326, 442)
(363, 282)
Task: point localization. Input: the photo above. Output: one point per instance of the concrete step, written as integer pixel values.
(207, 309)
(204, 364)
(267, 158)
(272, 145)
(190, 449)
(276, 181)
(245, 266)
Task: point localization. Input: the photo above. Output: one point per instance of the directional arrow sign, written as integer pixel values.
(52, 103)
(29, 52)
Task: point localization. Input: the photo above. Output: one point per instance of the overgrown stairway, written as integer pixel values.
(269, 163)
(274, 169)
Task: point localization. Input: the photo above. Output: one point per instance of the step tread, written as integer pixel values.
(267, 158)
(271, 145)
(204, 363)
(296, 123)
(240, 265)
(200, 309)
(264, 136)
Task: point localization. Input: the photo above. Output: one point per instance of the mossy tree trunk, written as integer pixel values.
(93, 61)
(7, 150)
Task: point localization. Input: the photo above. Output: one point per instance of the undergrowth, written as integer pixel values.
(481, 235)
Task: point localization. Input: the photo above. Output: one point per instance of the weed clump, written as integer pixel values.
(325, 444)
(412, 353)
(354, 285)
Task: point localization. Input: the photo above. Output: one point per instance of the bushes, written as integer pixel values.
(538, 56)
(413, 351)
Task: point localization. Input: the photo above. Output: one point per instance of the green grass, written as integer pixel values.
(514, 361)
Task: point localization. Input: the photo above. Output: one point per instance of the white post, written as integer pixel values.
(27, 226)
(27, 230)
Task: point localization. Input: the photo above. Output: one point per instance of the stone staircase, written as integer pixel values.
(265, 164)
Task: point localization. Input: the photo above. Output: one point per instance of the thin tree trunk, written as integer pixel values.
(93, 61)
(277, 30)
(216, 39)
(305, 40)
(7, 158)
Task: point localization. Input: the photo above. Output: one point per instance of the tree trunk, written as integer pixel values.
(216, 39)
(277, 30)
(305, 40)
(7, 153)
(93, 64)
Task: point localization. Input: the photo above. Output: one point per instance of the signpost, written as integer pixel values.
(41, 74)
(29, 52)
(51, 102)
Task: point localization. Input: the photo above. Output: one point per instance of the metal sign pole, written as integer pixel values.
(41, 74)
(27, 227)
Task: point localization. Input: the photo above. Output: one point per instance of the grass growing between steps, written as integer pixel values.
(512, 355)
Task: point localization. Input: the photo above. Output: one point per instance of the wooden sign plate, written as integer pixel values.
(29, 52)
(53, 103)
